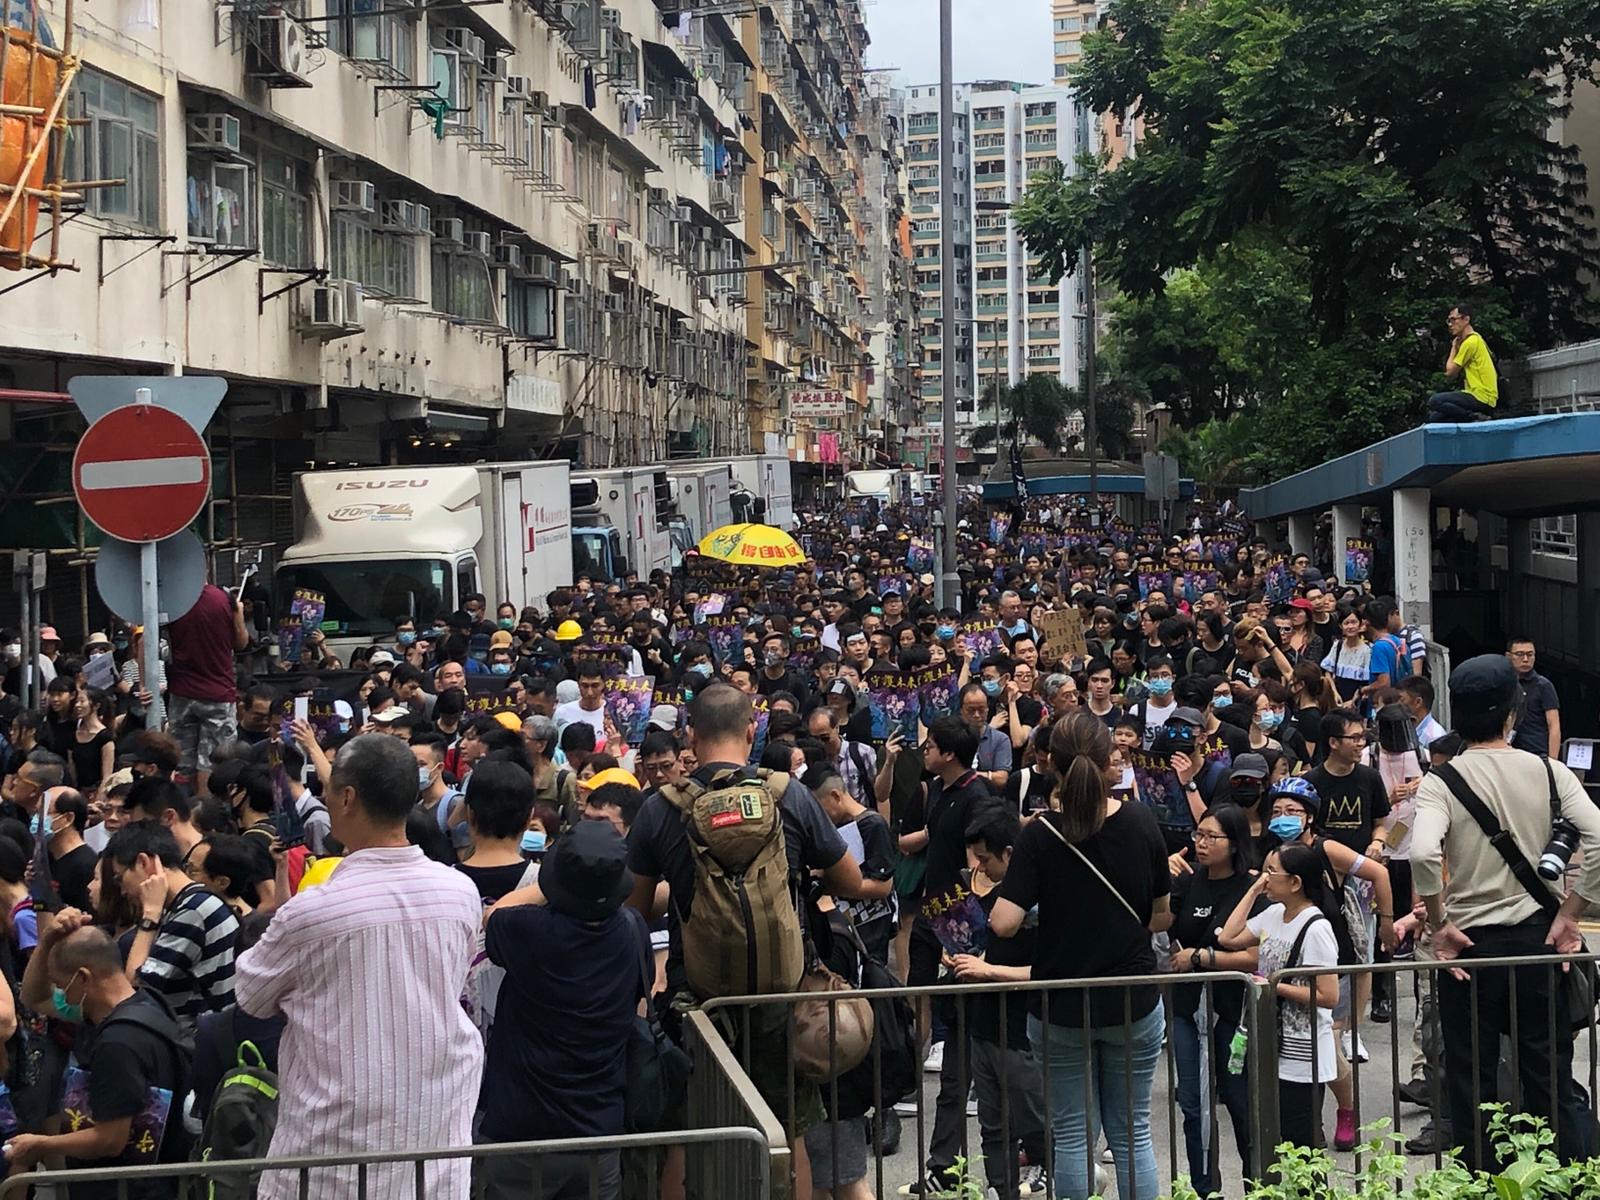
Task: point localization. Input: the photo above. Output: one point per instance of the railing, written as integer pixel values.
(1145, 1058)
(414, 1174)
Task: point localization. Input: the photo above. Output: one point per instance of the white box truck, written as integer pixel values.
(702, 501)
(764, 477)
(387, 542)
(632, 502)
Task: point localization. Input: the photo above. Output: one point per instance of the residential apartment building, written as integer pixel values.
(940, 353)
(893, 383)
(1069, 21)
(1025, 325)
(411, 232)
(812, 132)
(1010, 322)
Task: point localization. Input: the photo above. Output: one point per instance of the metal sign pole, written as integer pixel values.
(24, 578)
(150, 616)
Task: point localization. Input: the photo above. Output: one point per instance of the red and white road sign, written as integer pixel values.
(141, 473)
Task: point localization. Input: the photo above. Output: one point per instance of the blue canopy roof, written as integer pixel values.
(1522, 466)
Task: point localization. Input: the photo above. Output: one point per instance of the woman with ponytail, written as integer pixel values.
(1093, 862)
(1296, 930)
(1312, 696)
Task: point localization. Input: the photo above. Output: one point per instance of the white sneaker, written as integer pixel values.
(1033, 1181)
(972, 1107)
(1357, 1053)
(906, 1108)
(1106, 1156)
(1102, 1180)
(934, 1063)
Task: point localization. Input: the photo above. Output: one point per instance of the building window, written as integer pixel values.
(371, 32)
(1062, 69)
(463, 286)
(531, 309)
(222, 203)
(1556, 536)
(379, 261)
(285, 209)
(1069, 24)
(122, 140)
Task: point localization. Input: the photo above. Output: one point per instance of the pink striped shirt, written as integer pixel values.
(378, 1053)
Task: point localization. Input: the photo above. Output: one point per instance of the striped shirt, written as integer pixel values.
(191, 962)
(378, 1053)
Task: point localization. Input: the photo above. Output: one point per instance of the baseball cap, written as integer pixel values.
(381, 658)
(1302, 602)
(500, 639)
(609, 775)
(1248, 766)
(664, 716)
(509, 721)
(390, 715)
(1486, 682)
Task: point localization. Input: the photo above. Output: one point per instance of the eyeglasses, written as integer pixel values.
(1202, 836)
(1522, 654)
(1349, 737)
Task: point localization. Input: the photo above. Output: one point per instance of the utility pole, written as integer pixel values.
(950, 579)
(1090, 434)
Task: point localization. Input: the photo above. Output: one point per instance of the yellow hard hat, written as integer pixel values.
(569, 631)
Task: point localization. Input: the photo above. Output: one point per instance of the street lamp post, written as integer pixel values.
(947, 299)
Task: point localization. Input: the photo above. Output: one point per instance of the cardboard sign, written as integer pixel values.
(1063, 632)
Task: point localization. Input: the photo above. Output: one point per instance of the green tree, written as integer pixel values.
(1037, 409)
(1316, 183)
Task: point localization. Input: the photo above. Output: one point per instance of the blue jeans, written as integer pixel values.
(1117, 1068)
(1195, 1069)
(1456, 407)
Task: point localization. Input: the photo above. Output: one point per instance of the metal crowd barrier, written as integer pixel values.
(1234, 1131)
(405, 1175)
(1437, 1038)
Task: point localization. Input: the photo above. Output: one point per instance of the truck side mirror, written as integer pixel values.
(622, 569)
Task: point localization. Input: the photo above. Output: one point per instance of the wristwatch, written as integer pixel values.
(1191, 786)
(1194, 960)
(146, 925)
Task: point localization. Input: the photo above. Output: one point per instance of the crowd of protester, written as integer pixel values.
(432, 884)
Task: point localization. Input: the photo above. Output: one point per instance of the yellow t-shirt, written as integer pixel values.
(1477, 369)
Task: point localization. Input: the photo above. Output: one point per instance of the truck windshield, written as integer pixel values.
(589, 555)
(366, 598)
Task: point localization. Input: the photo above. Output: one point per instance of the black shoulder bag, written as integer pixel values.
(658, 1070)
(1578, 984)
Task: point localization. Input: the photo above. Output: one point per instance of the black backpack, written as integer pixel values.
(244, 1113)
(894, 1042)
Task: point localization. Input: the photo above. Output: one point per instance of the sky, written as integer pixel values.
(993, 39)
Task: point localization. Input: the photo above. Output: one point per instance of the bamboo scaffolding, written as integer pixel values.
(53, 128)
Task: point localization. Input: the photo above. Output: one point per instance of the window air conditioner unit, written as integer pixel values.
(659, 197)
(539, 101)
(281, 51)
(423, 221)
(611, 18)
(516, 87)
(611, 302)
(354, 195)
(624, 252)
(450, 230)
(771, 162)
(479, 243)
(685, 214)
(325, 312)
(214, 133)
(508, 255)
(354, 295)
(540, 266)
(398, 215)
(461, 39)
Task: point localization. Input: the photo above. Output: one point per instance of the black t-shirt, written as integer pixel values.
(1308, 721)
(658, 847)
(1129, 851)
(494, 882)
(793, 682)
(57, 736)
(125, 1058)
(1352, 804)
(1200, 661)
(557, 1060)
(949, 810)
(72, 873)
(1227, 738)
(1040, 783)
(1201, 906)
(983, 1012)
(87, 760)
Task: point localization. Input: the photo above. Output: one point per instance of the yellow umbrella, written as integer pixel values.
(752, 546)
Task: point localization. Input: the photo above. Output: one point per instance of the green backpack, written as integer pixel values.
(244, 1112)
(741, 936)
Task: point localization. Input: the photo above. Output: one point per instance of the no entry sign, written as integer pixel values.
(141, 473)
